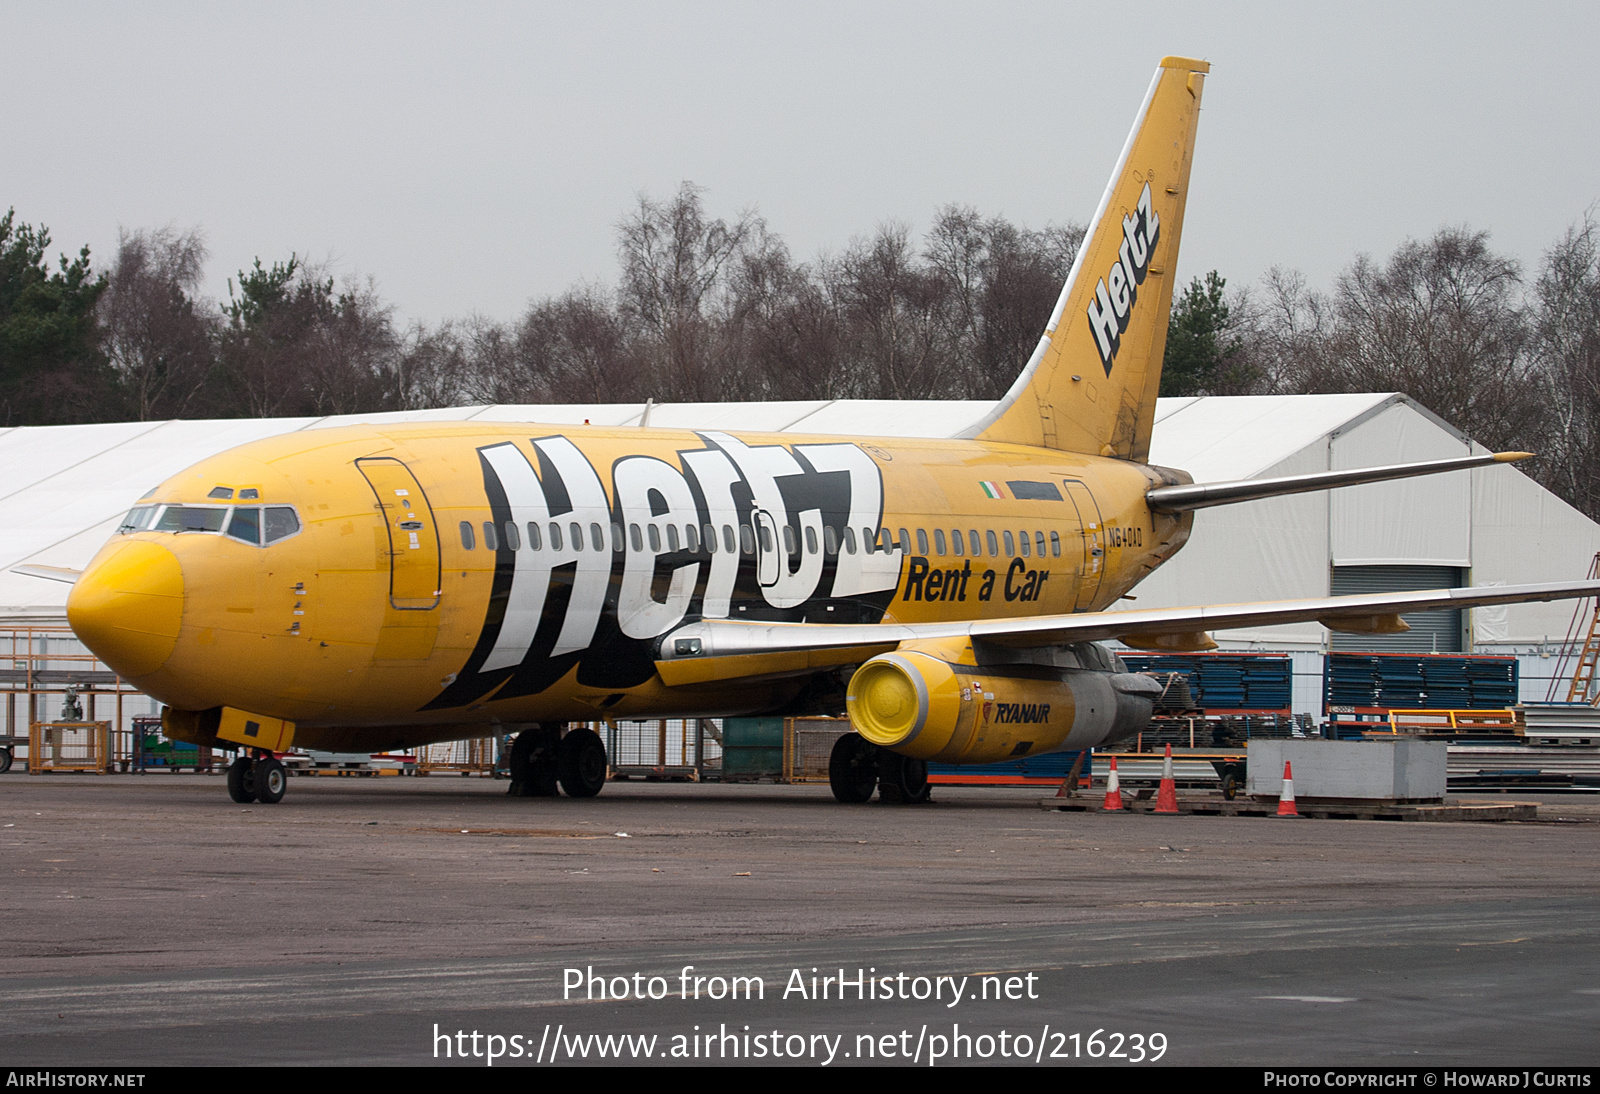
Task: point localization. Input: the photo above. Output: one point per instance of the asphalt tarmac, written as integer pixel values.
(150, 921)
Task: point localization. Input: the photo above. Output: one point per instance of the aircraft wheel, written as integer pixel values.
(533, 762)
(271, 780)
(242, 780)
(902, 780)
(853, 769)
(581, 762)
(5, 760)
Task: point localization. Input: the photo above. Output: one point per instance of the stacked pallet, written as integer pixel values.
(1411, 681)
(1225, 681)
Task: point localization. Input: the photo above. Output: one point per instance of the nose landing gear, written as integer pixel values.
(261, 778)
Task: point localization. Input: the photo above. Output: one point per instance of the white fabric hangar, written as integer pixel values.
(64, 489)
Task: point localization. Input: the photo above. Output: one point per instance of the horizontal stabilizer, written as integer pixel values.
(723, 638)
(49, 573)
(1202, 495)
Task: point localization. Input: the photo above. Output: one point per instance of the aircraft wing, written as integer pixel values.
(49, 573)
(715, 649)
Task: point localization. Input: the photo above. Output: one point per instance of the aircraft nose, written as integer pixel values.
(128, 607)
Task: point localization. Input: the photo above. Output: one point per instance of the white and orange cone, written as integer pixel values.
(1113, 800)
(1167, 796)
(1286, 795)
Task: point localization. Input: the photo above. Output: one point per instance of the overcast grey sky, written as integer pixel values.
(471, 158)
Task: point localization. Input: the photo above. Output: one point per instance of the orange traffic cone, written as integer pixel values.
(1167, 796)
(1113, 800)
(1286, 795)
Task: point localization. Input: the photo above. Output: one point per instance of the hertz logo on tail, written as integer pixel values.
(1115, 293)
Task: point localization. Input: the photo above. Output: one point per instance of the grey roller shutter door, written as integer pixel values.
(1431, 632)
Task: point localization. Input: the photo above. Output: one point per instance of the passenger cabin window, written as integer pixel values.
(811, 541)
(994, 544)
(597, 536)
(535, 541)
(1022, 538)
(617, 543)
(466, 535)
(1055, 545)
(730, 542)
(1038, 543)
(830, 540)
(555, 536)
(654, 533)
(938, 541)
(513, 537)
(491, 542)
(849, 540)
(747, 539)
(672, 538)
(958, 540)
(972, 541)
(922, 542)
(1011, 547)
(577, 535)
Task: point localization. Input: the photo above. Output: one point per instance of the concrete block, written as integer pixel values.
(1399, 770)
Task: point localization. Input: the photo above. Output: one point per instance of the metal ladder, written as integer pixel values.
(1581, 688)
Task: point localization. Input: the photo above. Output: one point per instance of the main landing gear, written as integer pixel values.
(258, 778)
(856, 767)
(543, 759)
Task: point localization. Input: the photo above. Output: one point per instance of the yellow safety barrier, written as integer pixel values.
(1418, 722)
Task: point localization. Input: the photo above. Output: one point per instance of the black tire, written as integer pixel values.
(1230, 787)
(853, 769)
(5, 760)
(581, 763)
(271, 781)
(902, 780)
(242, 780)
(533, 762)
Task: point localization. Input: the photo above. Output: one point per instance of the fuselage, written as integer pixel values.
(391, 585)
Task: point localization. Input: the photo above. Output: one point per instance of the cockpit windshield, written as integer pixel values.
(258, 525)
(191, 518)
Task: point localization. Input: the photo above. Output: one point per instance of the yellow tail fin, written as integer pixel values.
(1091, 383)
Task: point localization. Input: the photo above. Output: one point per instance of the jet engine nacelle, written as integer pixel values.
(941, 701)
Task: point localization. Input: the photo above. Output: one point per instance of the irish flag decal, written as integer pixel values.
(992, 490)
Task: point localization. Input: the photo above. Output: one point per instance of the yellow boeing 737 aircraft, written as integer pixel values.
(384, 586)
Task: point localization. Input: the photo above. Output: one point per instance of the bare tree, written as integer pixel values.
(675, 262)
(160, 343)
(1566, 327)
(895, 344)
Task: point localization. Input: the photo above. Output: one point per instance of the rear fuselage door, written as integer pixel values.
(413, 533)
(1093, 538)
